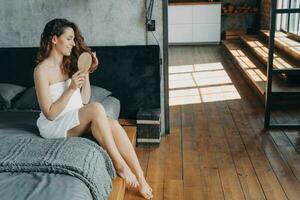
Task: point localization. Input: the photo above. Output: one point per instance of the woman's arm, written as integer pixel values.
(86, 90)
(52, 109)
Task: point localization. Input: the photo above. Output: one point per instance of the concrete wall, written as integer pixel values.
(102, 22)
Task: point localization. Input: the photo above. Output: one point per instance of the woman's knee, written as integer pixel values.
(112, 122)
(97, 109)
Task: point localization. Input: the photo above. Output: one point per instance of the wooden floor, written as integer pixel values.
(218, 149)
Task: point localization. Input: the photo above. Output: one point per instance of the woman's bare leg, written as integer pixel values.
(128, 153)
(93, 116)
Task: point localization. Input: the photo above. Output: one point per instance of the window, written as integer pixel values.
(288, 22)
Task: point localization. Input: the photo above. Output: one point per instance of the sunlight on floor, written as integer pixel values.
(198, 83)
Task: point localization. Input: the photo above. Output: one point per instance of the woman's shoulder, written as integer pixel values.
(41, 70)
(41, 67)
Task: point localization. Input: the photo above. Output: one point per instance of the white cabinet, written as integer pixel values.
(194, 23)
(207, 14)
(181, 32)
(206, 32)
(180, 14)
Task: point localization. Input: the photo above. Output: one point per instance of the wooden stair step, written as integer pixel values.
(277, 33)
(260, 49)
(284, 43)
(247, 65)
(281, 59)
(254, 71)
(119, 186)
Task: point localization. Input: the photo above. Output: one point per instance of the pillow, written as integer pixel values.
(2, 104)
(112, 107)
(98, 94)
(28, 100)
(8, 92)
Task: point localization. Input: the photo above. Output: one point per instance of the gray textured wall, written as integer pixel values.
(102, 22)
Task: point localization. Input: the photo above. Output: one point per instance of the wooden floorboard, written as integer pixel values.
(282, 171)
(259, 152)
(229, 178)
(219, 149)
(273, 156)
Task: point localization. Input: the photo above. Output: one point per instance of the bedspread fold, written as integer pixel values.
(74, 156)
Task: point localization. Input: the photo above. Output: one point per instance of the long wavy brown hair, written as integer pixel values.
(57, 27)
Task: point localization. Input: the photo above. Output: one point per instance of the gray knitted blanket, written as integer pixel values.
(75, 156)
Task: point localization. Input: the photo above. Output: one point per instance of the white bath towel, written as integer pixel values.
(67, 119)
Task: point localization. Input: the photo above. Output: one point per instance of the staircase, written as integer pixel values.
(119, 186)
(284, 43)
(250, 53)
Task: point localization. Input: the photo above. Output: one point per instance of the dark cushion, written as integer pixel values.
(2, 104)
(8, 92)
(98, 94)
(28, 101)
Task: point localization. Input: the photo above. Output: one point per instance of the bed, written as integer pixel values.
(18, 122)
(131, 75)
(36, 184)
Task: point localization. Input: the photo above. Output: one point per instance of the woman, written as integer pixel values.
(63, 93)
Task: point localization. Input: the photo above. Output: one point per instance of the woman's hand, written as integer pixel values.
(77, 80)
(94, 64)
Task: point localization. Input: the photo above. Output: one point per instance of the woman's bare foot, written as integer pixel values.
(125, 173)
(145, 189)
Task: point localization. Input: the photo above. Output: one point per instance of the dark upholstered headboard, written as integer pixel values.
(131, 73)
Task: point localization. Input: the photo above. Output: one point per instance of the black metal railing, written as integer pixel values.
(270, 71)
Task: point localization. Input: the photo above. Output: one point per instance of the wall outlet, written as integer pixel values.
(151, 25)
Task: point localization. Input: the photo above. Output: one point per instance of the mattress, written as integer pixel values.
(35, 185)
